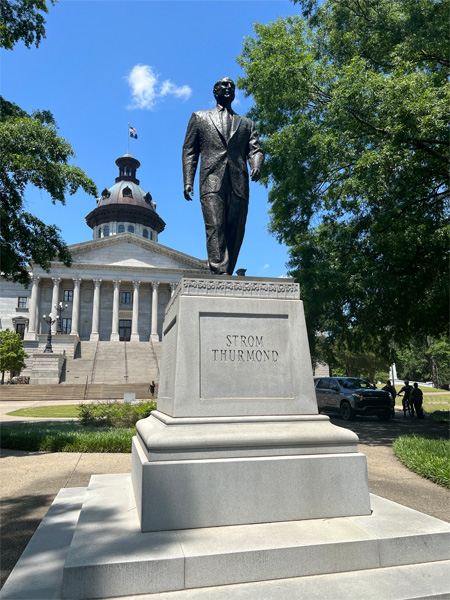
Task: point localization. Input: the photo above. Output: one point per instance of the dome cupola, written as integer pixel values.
(125, 206)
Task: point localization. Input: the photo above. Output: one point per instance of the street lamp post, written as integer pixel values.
(50, 321)
(60, 309)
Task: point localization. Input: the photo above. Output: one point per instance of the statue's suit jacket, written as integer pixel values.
(204, 136)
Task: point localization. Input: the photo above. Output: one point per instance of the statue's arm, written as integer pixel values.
(255, 155)
(191, 153)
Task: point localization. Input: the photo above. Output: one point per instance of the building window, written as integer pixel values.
(106, 231)
(20, 329)
(145, 233)
(68, 296)
(121, 229)
(22, 302)
(127, 192)
(66, 325)
(151, 235)
(131, 228)
(99, 234)
(125, 297)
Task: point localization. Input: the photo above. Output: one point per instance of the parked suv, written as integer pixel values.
(350, 396)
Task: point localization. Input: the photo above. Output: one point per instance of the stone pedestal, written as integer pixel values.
(237, 438)
(239, 489)
(46, 368)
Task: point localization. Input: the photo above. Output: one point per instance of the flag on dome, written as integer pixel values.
(133, 132)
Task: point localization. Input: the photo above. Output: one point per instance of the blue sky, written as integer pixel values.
(108, 63)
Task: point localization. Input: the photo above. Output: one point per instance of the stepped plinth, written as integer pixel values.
(239, 488)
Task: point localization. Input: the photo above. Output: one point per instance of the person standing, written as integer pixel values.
(393, 392)
(226, 142)
(416, 397)
(406, 389)
(151, 389)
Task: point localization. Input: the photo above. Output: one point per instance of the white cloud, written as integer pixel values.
(266, 266)
(184, 92)
(146, 90)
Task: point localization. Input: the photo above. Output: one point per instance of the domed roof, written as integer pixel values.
(126, 192)
(126, 200)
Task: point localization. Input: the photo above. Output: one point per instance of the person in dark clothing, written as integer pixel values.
(151, 389)
(393, 392)
(407, 405)
(416, 397)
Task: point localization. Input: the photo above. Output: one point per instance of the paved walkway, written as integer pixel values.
(31, 480)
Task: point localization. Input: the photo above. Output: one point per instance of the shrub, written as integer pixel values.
(113, 414)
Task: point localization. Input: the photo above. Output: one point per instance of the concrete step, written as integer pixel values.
(62, 392)
(112, 362)
(321, 559)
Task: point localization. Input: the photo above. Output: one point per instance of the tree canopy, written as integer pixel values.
(352, 101)
(12, 354)
(31, 152)
(22, 20)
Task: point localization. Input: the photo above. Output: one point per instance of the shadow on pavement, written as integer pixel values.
(374, 432)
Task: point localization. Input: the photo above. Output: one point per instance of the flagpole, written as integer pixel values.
(128, 143)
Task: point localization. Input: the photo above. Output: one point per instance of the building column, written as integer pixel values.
(31, 333)
(173, 287)
(95, 334)
(55, 300)
(76, 307)
(154, 337)
(135, 321)
(115, 316)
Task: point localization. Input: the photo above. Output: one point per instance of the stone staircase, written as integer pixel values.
(36, 393)
(113, 363)
(79, 368)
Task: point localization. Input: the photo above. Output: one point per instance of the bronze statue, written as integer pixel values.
(226, 142)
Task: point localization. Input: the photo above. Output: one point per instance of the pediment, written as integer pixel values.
(129, 250)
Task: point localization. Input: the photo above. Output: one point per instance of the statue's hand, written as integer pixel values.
(188, 190)
(255, 174)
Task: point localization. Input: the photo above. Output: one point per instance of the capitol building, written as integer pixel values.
(116, 291)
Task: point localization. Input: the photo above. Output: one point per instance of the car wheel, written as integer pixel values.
(346, 411)
(385, 416)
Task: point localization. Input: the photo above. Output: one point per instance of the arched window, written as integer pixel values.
(99, 233)
(105, 231)
(131, 228)
(127, 192)
(121, 229)
(145, 233)
(151, 235)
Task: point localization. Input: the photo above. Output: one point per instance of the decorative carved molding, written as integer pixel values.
(236, 289)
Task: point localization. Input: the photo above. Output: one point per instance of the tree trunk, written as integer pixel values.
(428, 343)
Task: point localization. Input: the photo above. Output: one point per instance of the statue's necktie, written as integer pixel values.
(226, 124)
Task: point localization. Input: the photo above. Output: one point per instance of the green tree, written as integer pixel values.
(353, 102)
(22, 20)
(31, 152)
(12, 354)
(426, 359)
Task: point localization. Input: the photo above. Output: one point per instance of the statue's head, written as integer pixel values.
(224, 91)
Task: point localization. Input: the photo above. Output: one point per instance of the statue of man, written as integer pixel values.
(226, 142)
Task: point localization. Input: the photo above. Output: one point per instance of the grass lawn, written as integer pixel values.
(60, 411)
(428, 456)
(64, 437)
